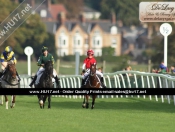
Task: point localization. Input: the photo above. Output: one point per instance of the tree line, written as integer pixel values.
(31, 33)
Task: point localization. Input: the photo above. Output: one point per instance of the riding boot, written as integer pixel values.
(83, 83)
(1, 74)
(102, 82)
(19, 79)
(57, 82)
(33, 81)
(0, 78)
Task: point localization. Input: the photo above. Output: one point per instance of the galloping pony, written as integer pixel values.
(45, 82)
(9, 80)
(92, 82)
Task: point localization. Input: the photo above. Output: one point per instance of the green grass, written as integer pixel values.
(109, 115)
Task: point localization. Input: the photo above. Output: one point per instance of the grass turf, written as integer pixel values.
(67, 115)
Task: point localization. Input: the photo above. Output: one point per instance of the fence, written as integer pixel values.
(120, 79)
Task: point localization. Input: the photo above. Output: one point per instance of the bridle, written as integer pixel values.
(48, 74)
(95, 77)
(9, 71)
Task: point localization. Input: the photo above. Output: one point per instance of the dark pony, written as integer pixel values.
(46, 82)
(92, 82)
(9, 80)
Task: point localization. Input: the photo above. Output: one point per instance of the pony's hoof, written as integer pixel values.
(92, 107)
(87, 105)
(41, 102)
(12, 105)
(1, 103)
(83, 105)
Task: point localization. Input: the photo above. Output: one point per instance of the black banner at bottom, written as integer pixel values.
(87, 91)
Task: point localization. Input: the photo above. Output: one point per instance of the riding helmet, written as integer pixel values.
(90, 52)
(8, 49)
(44, 49)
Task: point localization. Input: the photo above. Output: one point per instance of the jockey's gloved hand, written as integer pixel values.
(83, 71)
(11, 62)
(42, 64)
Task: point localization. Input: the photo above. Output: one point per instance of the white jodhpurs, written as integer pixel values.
(88, 71)
(3, 65)
(39, 73)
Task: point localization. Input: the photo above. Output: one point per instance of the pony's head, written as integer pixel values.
(12, 70)
(49, 67)
(93, 69)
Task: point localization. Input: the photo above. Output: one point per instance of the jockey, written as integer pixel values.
(86, 65)
(8, 56)
(41, 61)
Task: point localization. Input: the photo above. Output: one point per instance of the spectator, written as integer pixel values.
(153, 70)
(172, 69)
(100, 70)
(128, 68)
(162, 67)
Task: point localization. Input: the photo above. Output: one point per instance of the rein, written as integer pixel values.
(48, 77)
(94, 79)
(93, 86)
(92, 74)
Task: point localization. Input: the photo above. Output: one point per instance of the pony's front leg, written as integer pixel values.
(44, 100)
(93, 101)
(87, 101)
(49, 101)
(40, 100)
(13, 101)
(6, 101)
(83, 105)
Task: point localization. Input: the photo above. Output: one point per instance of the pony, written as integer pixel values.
(45, 82)
(92, 81)
(9, 80)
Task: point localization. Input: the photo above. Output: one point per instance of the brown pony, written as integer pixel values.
(92, 82)
(9, 80)
(46, 82)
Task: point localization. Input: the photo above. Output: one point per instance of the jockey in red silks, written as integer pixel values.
(86, 66)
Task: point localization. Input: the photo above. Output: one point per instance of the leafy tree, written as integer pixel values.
(156, 51)
(95, 4)
(34, 30)
(73, 7)
(121, 62)
(50, 43)
(108, 51)
(125, 10)
(31, 33)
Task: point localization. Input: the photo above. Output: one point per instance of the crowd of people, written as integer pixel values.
(164, 69)
(161, 69)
